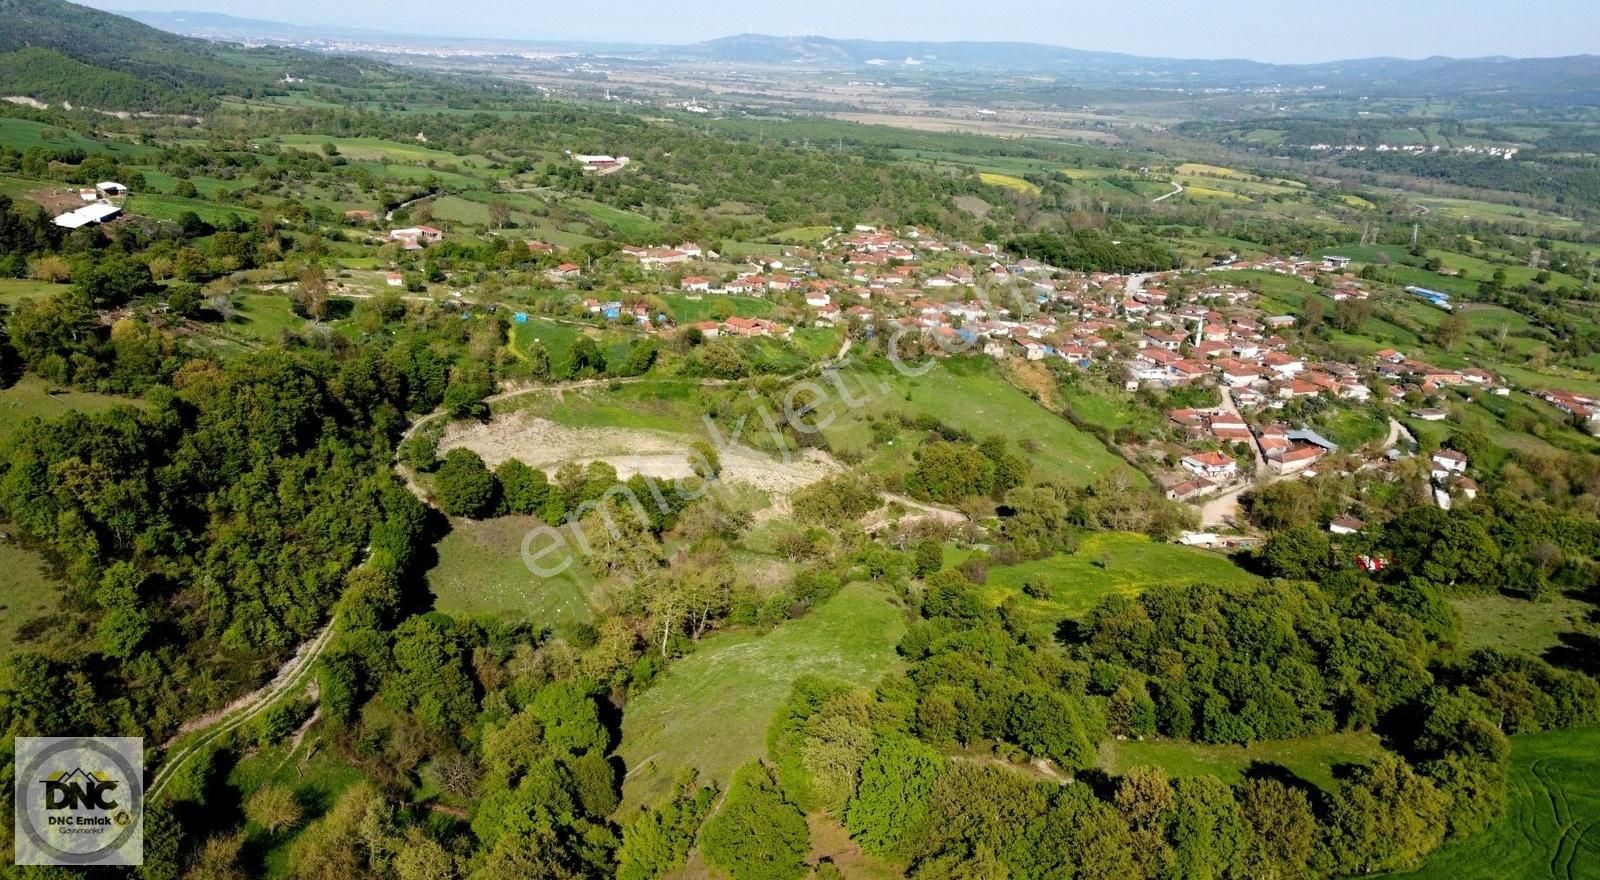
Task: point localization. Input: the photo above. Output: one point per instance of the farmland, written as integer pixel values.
(1548, 829)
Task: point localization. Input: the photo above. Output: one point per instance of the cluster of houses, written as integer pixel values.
(1582, 407)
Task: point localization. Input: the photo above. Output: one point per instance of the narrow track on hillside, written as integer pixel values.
(292, 675)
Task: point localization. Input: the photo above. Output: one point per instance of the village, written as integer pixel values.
(1188, 329)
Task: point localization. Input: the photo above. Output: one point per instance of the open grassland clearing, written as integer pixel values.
(654, 405)
(24, 134)
(970, 394)
(711, 709)
(1549, 830)
(801, 235)
(1512, 624)
(27, 589)
(1107, 564)
(15, 290)
(164, 207)
(378, 150)
(480, 573)
(32, 396)
(686, 310)
(1212, 193)
(627, 224)
(1312, 758)
(158, 181)
(1473, 209)
(559, 338)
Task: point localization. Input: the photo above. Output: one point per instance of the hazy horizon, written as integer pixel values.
(1259, 30)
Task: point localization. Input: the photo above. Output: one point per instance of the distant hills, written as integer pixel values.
(54, 51)
(1571, 76)
(1573, 79)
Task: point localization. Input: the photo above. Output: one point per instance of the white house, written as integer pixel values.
(1345, 525)
(1448, 463)
(1211, 465)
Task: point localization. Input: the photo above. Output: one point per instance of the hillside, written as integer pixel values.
(57, 52)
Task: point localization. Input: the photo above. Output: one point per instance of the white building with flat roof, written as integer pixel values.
(88, 215)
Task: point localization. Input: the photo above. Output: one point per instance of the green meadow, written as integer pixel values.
(1106, 564)
(711, 709)
(1549, 830)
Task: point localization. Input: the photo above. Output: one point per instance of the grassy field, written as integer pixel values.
(626, 223)
(1549, 830)
(162, 207)
(558, 340)
(26, 592)
(687, 311)
(969, 393)
(1520, 625)
(480, 573)
(263, 317)
(712, 708)
(15, 290)
(1008, 181)
(32, 396)
(654, 406)
(1311, 758)
(24, 134)
(377, 150)
(1109, 563)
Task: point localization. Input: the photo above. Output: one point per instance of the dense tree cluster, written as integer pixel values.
(1275, 660)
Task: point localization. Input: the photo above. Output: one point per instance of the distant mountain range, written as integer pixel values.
(1574, 78)
(55, 50)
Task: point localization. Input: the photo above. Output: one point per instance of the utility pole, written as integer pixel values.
(1416, 229)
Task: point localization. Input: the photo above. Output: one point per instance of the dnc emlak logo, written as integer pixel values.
(79, 800)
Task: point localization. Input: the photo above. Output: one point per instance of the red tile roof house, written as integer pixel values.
(1190, 489)
(1211, 465)
(753, 327)
(1188, 371)
(698, 283)
(708, 329)
(743, 327)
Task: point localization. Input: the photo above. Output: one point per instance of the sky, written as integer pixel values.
(1284, 31)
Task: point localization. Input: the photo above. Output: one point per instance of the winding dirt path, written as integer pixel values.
(293, 674)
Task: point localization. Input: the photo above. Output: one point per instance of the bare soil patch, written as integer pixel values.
(546, 445)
